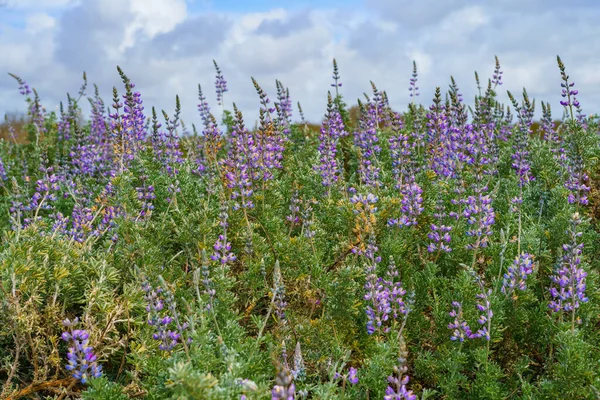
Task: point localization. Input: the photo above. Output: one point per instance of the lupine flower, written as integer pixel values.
(441, 145)
(549, 128)
(351, 376)
(284, 108)
(402, 152)
(99, 135)
(367, 141)
(284, 388)
(331, 130)
(366, 220)
(3, 174)
(294, 208)
(207, 282)
(460, 328)
(308, 218)
(299, 370)
(413, 88)
(570, 277)
(128, 129)
(279, 293)
(521, 163)
(387, 301)
(440, 233)
(222, 247)
(569, 94)
(411, 206)
(220, 84)
(301, 113)
(497, 77)
(456, 110)
(516, 277)
(336, 77)
(45, 195)
(397, 389)
(269, 140)
(364, 204)
(82, 361)
(484, 319)
(145, 195)
(161, 321)
(241, 163)
(576, 180)
(376, 107)
(35, 109)
(480, 216)
(211, 140)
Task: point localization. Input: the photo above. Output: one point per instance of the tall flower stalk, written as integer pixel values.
(82, 362)
(568, 291)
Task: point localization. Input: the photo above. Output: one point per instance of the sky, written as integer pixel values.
(167, 48)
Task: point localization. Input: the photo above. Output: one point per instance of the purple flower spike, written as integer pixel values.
(570, 278)
(220, 84)
(516, 277)
(284, 388)
(82, 361)
(411, 206)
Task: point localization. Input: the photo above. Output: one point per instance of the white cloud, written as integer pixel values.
(38, 22)
(153, 17)
(166, 50)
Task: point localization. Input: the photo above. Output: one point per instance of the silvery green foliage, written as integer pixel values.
(191, 261)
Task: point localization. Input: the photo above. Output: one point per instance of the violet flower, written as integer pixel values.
(284, 388)
(516, 277)
(3, 173)
(308, 220)
(145, 195)
(569, 94)
(570, 277)
(222, 247)
(294, 208)
(160, 320)
(241, 164)
(367, 141)
(351, 376)
(387, 300)
(397, 389)
(460, 328)
(82, 361)
(440, 233)
(480, 216)
(284, 108)
(331, 130)
(413, 88)
(521, 163)
(220, 84)
(411, 206)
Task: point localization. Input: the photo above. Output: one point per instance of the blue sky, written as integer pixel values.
(167, 46)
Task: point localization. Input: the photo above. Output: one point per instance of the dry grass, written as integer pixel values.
(18, 123)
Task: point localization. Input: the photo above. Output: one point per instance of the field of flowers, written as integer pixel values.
(449, 251)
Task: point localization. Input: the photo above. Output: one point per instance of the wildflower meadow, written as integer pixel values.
(446, 251)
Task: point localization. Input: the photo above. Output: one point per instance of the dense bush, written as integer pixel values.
(454, 245)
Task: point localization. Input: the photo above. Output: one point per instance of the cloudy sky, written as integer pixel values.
(166, 47)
